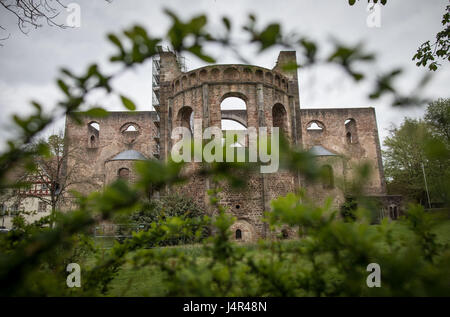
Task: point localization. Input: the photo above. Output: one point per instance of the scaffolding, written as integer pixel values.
(156, 82)
(156, 87)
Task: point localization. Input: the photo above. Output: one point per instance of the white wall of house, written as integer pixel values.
(31, 208)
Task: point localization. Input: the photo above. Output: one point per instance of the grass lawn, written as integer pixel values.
(148, 281)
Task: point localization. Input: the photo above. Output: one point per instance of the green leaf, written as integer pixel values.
(227, 23)
(197, 51)
(97, 112)
(113, 38)
(269, 36)
(351, 2)
(128, 103)
(63, 86)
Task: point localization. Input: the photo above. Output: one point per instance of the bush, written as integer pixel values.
(174, 205)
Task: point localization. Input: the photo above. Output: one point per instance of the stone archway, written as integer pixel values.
(243, 231)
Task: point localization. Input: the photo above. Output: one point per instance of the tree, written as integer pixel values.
(173, 205)
(331, 260)
(33, 13)
(438, 117)
(417, 146)
(404, 157)
(50, 171)
(429, 53)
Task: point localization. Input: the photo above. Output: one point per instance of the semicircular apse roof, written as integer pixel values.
(129, 155)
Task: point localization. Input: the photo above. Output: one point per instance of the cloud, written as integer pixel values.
(30, 64)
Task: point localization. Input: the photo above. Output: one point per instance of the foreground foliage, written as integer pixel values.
(329, 260)
(419, 147)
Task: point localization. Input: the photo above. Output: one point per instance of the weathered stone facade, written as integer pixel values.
(98, 141)
(344, 137)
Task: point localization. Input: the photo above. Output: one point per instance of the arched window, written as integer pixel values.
(279, 118)
(393, 212)
(284, 234)
(185, 118)
(234, 117)
(95, 125)
(124, 173)
(328, 177)
(351, 132)
(315, 126)
(233, 103)
(131, 128)
(349, 138)
(93, 134)
(238, 234)
(228, 124)
(130, 132)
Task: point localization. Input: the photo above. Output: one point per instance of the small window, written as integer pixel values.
(185, 118)
(42, 207)
(351, 131)
(238, 234)
(15, 210)
(238, 206)
(349, 138)
(284, 234)
(328, 177)
(393, 212)
(279, 118)
(95, 126)
(124, 173)
(131, 128)
(314, 126)
(130, 132)
(93, 135)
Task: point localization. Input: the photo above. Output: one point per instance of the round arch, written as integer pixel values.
(130, 127)
(234, 94)
(351, 131)
(315, 125)
(229, 116)
(185, 118)
(233, 107)
(93, 134)
(244, 229)
(279, 118)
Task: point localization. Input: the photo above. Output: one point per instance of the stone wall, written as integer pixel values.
(202, 91)
(361, 146)
(272, 99)
(88, 162)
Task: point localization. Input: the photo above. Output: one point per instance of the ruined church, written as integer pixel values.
(339, 138)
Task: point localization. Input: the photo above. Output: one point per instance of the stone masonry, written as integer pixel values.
(341, 137)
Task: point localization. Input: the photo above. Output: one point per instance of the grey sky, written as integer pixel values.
(29, 63)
